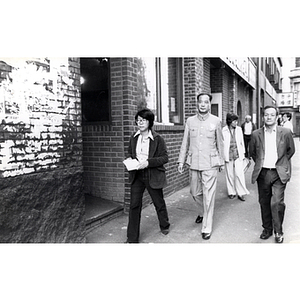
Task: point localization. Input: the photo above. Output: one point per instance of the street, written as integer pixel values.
(234, 221)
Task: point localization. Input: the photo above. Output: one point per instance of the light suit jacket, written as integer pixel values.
(202, 144)
(239, 142)
(285, 150)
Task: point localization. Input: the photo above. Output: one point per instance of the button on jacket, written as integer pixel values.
(203, 142)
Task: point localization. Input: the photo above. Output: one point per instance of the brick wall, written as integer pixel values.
(216, 80)
(40, 117)
(221, 83)
(103, 145)
(196, 80)
(173, 137)
(206, 75)
(41, 151)
(190, 87)
(130, 102)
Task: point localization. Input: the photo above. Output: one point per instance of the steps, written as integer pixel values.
(98, 211)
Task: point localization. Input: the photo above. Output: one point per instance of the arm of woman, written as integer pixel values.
(160, 156)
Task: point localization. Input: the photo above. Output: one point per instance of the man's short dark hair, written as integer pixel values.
(272, 106)
(204, 94)
(146, 114)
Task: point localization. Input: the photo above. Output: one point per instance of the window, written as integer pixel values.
(160, 88)
(95, 89)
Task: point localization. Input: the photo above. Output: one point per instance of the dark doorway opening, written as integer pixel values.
(95, 89)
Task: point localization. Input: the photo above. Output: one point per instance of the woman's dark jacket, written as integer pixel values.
(158, 156)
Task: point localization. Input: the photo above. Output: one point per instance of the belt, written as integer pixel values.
(270, 169)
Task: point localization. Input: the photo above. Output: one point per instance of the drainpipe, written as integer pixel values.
(258, 93)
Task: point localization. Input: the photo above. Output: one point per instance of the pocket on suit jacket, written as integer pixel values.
(215, 160)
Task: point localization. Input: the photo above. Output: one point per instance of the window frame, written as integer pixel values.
(179, 92)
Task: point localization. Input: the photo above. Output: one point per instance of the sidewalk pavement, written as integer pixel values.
(234, 221)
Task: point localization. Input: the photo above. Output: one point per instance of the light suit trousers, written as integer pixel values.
(235, 178)
(203, 186)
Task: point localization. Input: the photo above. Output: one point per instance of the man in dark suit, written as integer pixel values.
(271, 148)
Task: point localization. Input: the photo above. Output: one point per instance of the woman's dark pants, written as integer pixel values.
(138, 187)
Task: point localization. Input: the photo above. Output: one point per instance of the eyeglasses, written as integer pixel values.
(141, 120)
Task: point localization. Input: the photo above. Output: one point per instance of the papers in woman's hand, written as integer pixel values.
(131, 164)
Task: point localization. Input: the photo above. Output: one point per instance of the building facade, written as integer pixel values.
(268, 84)
(289, 99)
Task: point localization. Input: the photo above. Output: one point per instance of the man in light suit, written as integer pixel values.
(271, 148)
(202, 149)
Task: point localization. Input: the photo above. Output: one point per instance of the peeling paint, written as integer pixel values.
(38, 114)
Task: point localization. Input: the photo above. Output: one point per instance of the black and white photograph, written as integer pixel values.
(178, 165)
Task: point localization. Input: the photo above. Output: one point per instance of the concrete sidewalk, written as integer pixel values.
(234, 221)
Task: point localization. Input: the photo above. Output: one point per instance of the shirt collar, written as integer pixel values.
(203, 117)
(273, 130)
(150, 135)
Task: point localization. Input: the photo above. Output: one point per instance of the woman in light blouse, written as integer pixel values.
(234, 155)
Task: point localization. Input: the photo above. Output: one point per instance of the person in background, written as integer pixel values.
(280, 120)
(203, 145)
(272, 148)
(149, 148)
(234, 155)
(287, 121)
(247, 127)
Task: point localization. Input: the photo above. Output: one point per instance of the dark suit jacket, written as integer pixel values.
(158, 156)
(285, 150)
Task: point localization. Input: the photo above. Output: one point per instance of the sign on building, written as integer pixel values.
(285, 99)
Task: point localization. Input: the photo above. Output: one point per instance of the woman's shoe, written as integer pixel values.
(206, 236)
(199, 220)
(242, 198)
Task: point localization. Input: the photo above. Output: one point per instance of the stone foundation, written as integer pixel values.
(46, 207)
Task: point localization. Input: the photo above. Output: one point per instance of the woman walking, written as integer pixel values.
(234, 155)
(147, 149)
